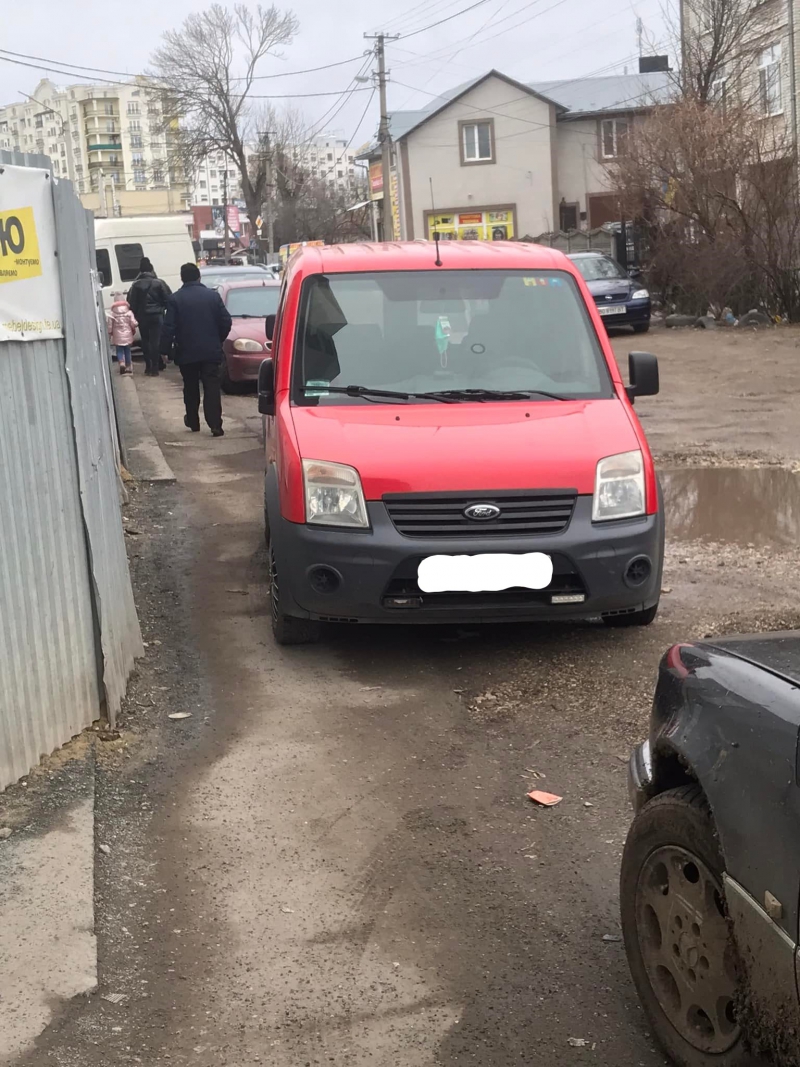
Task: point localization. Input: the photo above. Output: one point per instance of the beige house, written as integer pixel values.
(495, 158)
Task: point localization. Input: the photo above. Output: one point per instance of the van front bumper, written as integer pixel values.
(370, 576)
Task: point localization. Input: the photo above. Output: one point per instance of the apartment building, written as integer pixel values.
(109, 139)
(209, 179)
(331, 160)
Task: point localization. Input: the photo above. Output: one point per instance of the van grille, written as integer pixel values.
(522, 512)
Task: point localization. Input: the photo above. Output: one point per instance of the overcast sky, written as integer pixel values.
(530, 40)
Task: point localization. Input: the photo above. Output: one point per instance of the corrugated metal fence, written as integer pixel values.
(68, 627)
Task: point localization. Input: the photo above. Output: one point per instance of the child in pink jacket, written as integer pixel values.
(121, 329)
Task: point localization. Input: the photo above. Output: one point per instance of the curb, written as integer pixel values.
(142, 454)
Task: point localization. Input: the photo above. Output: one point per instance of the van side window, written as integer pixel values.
(128, 259)
(103, 266)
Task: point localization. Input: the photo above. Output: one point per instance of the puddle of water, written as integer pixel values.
(735, 505)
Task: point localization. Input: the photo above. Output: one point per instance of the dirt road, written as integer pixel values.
(332, 861)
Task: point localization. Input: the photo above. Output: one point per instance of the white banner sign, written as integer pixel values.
(30, 293)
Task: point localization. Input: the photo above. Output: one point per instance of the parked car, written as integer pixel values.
(215, 276)
(621, 300)
(710, 878)
(418, 473)
(248, 303)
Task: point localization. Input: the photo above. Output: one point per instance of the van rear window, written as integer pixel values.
(128, 260)
(432, 331)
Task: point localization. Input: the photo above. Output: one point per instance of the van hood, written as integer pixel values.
(467, 447)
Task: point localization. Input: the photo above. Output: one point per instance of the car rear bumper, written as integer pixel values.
(371, 575)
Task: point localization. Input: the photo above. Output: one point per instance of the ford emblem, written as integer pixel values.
(482, 512)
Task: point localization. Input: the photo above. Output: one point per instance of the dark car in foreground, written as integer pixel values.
(621, 300)
(248, 303)
(710, 879)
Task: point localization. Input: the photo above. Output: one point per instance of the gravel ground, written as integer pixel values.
(333, 859)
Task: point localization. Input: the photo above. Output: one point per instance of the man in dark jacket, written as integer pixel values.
(196, 325)
(148, 298)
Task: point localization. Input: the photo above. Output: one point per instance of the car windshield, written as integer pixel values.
(234, 274)
(257, 302)
(598, 268)
(446, 331)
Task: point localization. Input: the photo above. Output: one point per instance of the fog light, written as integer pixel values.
(638, 571)
(402, 601)
(324, 579)
(568, 598)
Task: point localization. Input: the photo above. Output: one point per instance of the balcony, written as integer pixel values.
(101, 157)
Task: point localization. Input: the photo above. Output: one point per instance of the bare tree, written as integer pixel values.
(717, 193)
(717, 40)
(206, 71)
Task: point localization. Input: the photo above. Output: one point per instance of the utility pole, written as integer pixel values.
(225, 211)
(384, 135)
(270, 196)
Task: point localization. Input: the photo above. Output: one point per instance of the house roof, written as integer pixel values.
(574, 96)
(619, 92)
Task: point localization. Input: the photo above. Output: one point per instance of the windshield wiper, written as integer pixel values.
(494, 394)
(367, 392)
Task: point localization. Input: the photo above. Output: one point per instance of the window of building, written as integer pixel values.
(136, 140)
(138, 177)
(109, 109)
(215, 200)
(212, 174)
(231, 173)
(135, 126)
(477, 142)
(339, 174)
(204, 199)
(769, 79)
(158, 175)
(718, 87)
(133, 107)
(203, 185)
(111, 127)
(137, 158)
(613, 137)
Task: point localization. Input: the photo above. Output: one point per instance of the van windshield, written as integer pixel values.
(435, 331)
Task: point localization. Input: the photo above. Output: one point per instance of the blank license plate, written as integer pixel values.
(613, 309)
(486, 573)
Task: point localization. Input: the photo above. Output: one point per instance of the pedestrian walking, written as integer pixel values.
(148, 298)
(197, 323)
(121, 329)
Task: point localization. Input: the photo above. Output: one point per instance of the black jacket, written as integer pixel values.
(148, 295)
(197, 323)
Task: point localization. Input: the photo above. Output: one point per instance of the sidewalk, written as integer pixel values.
(48, 950)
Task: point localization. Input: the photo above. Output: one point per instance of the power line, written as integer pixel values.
(433, 25)
(127, 74)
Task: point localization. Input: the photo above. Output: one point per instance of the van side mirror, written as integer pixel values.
(269, 326)
(266, 388)
(642, 375)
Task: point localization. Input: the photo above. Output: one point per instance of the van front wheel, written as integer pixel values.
(286, 629)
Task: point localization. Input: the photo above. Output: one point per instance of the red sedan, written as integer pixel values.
(248, 302)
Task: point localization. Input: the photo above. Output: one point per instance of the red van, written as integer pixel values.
(448, 439)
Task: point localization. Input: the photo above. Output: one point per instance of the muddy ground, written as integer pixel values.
(332, 861)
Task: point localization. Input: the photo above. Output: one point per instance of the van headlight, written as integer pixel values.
(334, 496)
(640, 294)
(619, 487)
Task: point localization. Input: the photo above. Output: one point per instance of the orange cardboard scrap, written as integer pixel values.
(547, 800)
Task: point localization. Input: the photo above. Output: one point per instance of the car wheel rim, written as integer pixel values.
(273, 586)
(686, 948)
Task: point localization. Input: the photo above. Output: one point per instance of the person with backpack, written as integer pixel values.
(148, 298)
(121, 329)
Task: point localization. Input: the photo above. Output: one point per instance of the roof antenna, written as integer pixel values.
(438, 262)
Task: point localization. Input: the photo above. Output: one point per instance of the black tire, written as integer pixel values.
(641, 327)
(635, 618)
(286, 629)
(229, 387)
(678, 826)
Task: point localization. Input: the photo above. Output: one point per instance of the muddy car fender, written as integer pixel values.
(732, 727)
